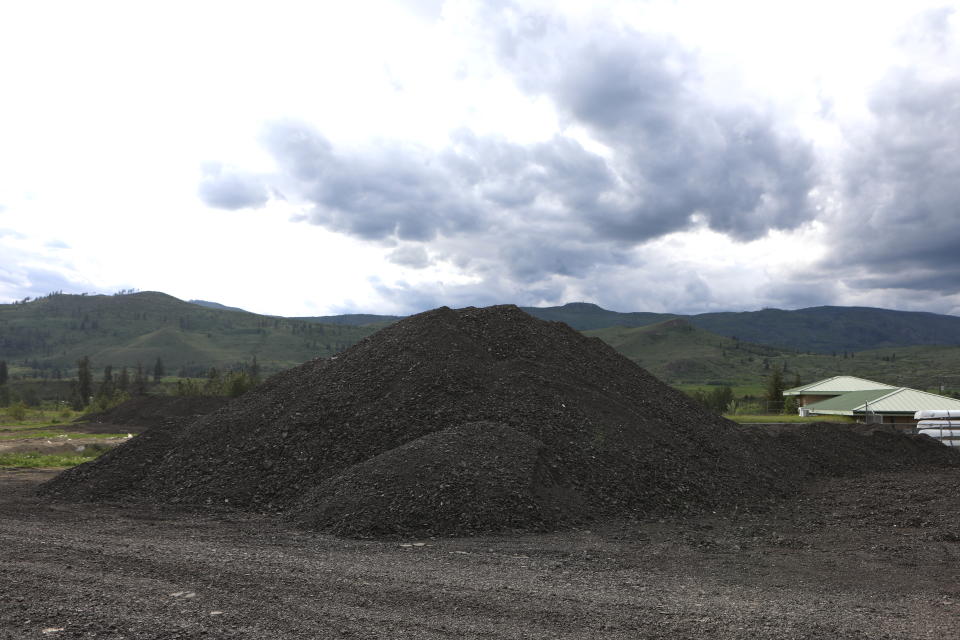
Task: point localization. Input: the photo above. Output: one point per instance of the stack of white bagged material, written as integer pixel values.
(944, 425)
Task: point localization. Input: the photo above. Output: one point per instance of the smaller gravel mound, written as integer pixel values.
(145, 412)
(830, 449)
(454, 481)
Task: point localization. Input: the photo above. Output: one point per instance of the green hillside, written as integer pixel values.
(50, 334)
(354, 319)
(682, 354)
(215, 305)
(584, 316)
(819, 329)
(829, 329)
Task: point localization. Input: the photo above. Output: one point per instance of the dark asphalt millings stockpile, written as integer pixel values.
(451, 422)
(145, 412)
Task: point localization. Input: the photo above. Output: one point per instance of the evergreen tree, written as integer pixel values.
(106, 387)
(791, 405)
(775, 389)
(84, 381)
(720, 399)
(139, 381)
(214, 385)
(4, 374)
(123, 380)
(75, 401)
(158, 371)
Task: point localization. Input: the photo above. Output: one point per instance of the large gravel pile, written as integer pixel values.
(456, 422)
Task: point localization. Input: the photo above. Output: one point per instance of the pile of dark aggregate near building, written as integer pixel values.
(459, 422)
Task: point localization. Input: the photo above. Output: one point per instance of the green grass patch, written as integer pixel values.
(59, 434)
(21, 416)
(33, 424)
(747, 419)
(34, 460)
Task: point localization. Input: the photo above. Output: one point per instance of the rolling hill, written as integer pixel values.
(681, 353)
(829, 329)
(353, 319)
(677, 351)
(53, 332)
(584, 316)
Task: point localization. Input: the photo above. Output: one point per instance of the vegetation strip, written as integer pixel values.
(34, 460)
(60, 434)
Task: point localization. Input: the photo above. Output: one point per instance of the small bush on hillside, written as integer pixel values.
(17, 411)
(791, 406)
(232, 384)
(718, 399)
(104, 402)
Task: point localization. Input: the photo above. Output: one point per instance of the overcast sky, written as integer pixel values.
(306, 158)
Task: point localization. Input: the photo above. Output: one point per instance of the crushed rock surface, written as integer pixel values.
(867, 556)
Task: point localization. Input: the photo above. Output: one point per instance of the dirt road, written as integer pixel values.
(870, 557)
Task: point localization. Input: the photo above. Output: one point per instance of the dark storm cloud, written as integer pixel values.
(412, 256)
(228, 189)
(408, 298)
(901, 229)
(528, 261)
(395, 192)
(678, 154)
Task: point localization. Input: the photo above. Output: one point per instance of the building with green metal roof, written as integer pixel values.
(833, 387)
(867, 400)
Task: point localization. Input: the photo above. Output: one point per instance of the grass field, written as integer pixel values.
(20, 434)
(780, 417)
(33, 460)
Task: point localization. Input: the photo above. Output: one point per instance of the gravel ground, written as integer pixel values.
(875, 556)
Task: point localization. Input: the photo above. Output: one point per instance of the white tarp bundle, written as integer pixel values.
(937, 414)
(946, 431)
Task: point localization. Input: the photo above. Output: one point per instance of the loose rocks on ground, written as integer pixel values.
(456, 422)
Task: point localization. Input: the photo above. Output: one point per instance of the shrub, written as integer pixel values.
(17, 411)
(103, 402)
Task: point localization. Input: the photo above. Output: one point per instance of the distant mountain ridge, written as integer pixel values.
(584, 316)
(215, 305)
(816, 329)
(52, 333)
(683, 354)
(354, 319)
(828, 329)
